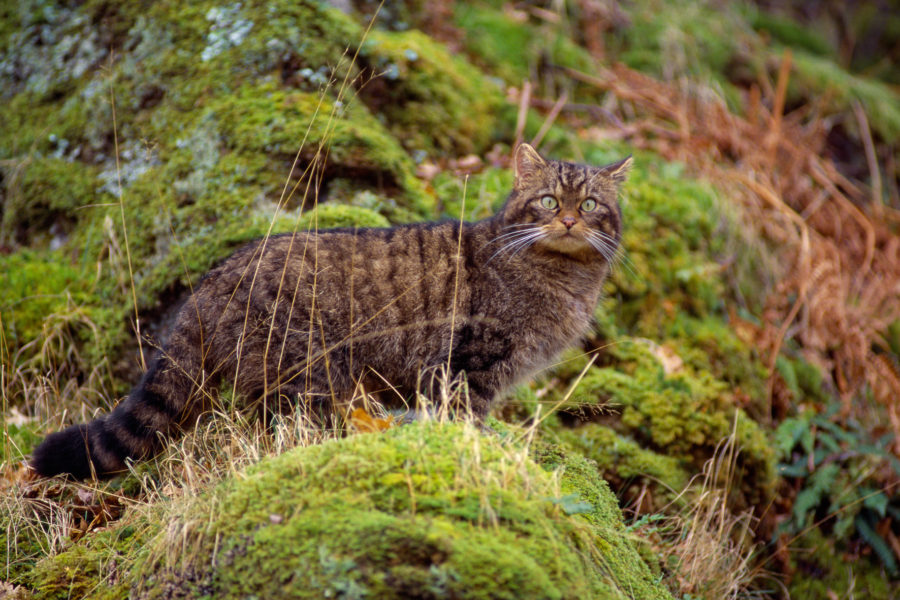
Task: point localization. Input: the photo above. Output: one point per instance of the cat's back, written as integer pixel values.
(385, 274)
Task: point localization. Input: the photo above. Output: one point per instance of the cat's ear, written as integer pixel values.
(617, 171)
(528, 162)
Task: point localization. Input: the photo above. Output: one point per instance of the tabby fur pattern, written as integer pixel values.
(311, 317)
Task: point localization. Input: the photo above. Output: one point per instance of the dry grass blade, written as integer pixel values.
(711, 548)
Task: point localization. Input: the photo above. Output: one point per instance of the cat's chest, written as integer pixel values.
(555, 312)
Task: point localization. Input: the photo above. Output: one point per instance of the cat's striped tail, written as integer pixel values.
(155, 410)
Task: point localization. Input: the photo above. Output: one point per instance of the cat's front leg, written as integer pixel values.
(483, 387)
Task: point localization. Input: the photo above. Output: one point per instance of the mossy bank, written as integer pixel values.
(427, 510)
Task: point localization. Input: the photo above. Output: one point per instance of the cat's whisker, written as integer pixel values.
(526, 244)
(602, 246)
(514, 234)
(507, 247)
(520, 225)
(611, 251)
(527, 238)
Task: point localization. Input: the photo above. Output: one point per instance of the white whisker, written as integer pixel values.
(611, 251)
(513, 234)
(521, 225)
(526, 243)
(517, 243)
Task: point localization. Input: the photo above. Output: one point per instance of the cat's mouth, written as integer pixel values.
(579, 240)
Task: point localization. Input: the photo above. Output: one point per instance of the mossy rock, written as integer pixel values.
(433, 100)
(424, 511)
(212, 105)
(625, 463)
(327, 216)
(684, 414)
(40, 198)
(267, 121)
(512, 49)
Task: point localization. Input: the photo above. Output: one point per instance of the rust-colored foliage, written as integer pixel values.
(841, 285)
(360, 420)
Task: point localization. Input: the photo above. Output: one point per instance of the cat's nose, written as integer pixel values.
(569, 222)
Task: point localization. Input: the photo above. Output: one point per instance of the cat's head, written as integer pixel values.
(563, 207)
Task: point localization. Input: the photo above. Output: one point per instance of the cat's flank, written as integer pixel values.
(309, 317)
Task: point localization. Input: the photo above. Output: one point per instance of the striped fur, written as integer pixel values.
(310, 316)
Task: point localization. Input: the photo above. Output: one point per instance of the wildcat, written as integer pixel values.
(311, 316)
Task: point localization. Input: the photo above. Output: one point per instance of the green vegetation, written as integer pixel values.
(150, 141)
(440, 510)
(512, 47)
(434, 101)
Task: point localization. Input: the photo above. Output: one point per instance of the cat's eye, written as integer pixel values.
(549, 202)
(589, 205)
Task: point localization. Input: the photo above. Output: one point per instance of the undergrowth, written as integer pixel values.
(726, 393)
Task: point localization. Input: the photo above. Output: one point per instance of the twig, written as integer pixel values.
(866, 134)
(778, 107)
(524, 100)
(595, 111)
(818, 174)
(548, 122)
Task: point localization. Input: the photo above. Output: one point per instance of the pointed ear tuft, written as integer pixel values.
(528, 161)
(618, 171)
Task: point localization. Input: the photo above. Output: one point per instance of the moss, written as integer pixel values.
(80, 572)
(18, 441)
(790, 33)
(817, 76)
(41, 195)
(20, 547)
(670, 221)
(711, 344)
(484, 192)
(44, 295)
(820, 571)
(264, 119)
(432, 99)
(512, 49)
(684, 414)
(582, 487)
(625, 462)
(326, 216)
(93, 567)
(426, 510)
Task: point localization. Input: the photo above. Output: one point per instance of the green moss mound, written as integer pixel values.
(677, 417)
(624, 463)
(435, 101)
(513, 48)
(424, 511)
(94, 567)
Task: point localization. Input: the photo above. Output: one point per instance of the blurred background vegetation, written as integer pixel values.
(754, 316)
